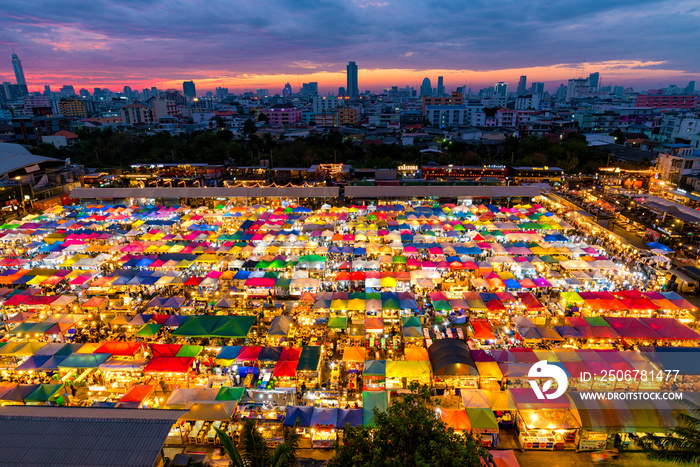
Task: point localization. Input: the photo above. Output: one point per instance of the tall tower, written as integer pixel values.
(593, 80)
(189, 90)
(440, 87)
(426, 90)
(19, 73)
(502, 89)
(522, 85)
(352, 88)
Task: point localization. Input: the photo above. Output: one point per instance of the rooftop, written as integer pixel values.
(54, 436)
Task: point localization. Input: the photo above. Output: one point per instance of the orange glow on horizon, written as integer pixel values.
(612, 73)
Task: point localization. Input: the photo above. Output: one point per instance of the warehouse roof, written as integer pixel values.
(215, 192)
(449, 191)
(39, 435)
(15, 156)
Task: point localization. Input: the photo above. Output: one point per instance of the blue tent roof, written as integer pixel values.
(659, 246)
(303, 413)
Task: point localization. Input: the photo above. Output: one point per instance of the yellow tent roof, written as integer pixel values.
(407, 369)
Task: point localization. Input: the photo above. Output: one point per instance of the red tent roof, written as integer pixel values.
(285, 369)
(640, 304)
(165, 350)
(482, 330)
(137, 393)
(249, 353)
(290, 353)
(123, 349)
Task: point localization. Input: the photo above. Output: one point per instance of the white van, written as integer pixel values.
(685, 283)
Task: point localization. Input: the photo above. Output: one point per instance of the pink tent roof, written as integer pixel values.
(632, 328)
(671, 328)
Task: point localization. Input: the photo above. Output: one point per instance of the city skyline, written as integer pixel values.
(392, 45)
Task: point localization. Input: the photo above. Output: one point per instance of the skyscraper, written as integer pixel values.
(593, 81)
(189, 90)
(690, 87)
(287, 91)
(440, 87)
(522, 85)
(352, 88)
(502, 88)
(426, 90)
(537, 88)
(19, 73)
(309, 89)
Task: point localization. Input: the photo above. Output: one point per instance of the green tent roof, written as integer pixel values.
(337, 322)
(233, 326)
(374, 368)
(230, 394)
(84, 360)
(572, 297)
(43, 393)
(149, 330)
(370, 401)
(596, 321)
(309, 358)
(189, 351)
(197, 326)
(411, 321)
(442, 305)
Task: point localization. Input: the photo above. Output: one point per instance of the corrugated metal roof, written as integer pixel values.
(15, 156)
(215, 192)
(449, 191)
(57, 436)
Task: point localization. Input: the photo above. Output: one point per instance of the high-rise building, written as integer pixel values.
(593, 81)
(127, 92)
(352, 88)
(19, 73)
(537, 88)
(502, 89)
(309, 89)
(47, 90)
(426, 90)
(690, 87)
(188, 89)
(522, 85)
(221, 93)
(67, 90)
(440, 87)
(577, 88)
(262, 93)
(287, 91)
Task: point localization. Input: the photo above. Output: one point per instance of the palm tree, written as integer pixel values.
(255, 451)
(230, 448)
(682, 446)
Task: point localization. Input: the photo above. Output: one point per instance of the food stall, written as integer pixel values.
(544, 424)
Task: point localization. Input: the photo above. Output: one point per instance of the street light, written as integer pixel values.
(21, 194)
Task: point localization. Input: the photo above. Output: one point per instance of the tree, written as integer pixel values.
(409, 433)
(682, 446)
(249, 127)
(255, 450)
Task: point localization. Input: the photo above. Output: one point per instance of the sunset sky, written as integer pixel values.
(246, 45)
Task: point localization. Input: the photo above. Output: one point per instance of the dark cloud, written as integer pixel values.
(169, 38)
